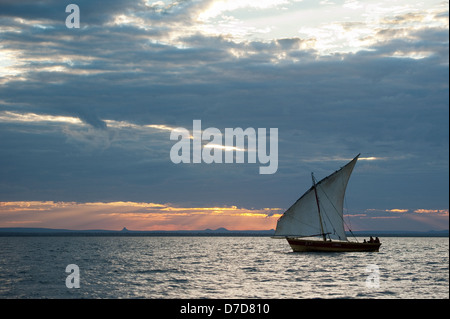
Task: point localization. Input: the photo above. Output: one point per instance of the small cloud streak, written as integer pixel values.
(224, 147)
(8, 116)
(396, 210)
(443, 212)
(342, 159)
(399, 219)
(372, 158)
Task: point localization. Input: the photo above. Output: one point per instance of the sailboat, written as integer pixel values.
(315, 222)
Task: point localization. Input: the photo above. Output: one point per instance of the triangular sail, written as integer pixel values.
(302, 218)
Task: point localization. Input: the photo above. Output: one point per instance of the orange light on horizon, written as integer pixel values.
(133, 215)
(168, 217)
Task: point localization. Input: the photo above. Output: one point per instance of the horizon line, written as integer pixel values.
(220, 229)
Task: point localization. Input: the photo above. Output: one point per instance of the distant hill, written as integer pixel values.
(20, 231)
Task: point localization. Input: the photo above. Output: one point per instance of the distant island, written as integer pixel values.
(22, 231)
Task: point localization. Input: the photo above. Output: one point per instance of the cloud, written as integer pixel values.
(399, 219)
(396, 210)
(7, 116)
(217, 8)
(408, 211)
(443, 212)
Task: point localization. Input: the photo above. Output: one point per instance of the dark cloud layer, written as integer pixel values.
(335, 106)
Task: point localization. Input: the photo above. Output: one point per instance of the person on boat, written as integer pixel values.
(371, 240)
(365, 242)
(377, 240)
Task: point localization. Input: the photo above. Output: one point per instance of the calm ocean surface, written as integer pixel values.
(219, 267)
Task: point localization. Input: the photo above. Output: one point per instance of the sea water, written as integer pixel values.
(218, 267)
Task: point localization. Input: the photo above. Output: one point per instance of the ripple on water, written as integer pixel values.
(218, 267)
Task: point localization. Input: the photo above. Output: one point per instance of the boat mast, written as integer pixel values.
(318, 207)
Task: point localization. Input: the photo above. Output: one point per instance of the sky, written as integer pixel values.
(86, 113)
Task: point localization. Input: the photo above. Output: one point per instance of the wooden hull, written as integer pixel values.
(302, 245)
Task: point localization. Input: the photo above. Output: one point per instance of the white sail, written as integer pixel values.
(303, 219)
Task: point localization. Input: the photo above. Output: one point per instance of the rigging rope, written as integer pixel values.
(349, 227)
(326, 215)
(341, 217)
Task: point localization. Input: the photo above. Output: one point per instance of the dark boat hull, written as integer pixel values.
(302, 245)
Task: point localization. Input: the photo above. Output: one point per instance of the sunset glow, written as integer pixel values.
(134, 216)
(156, 216)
